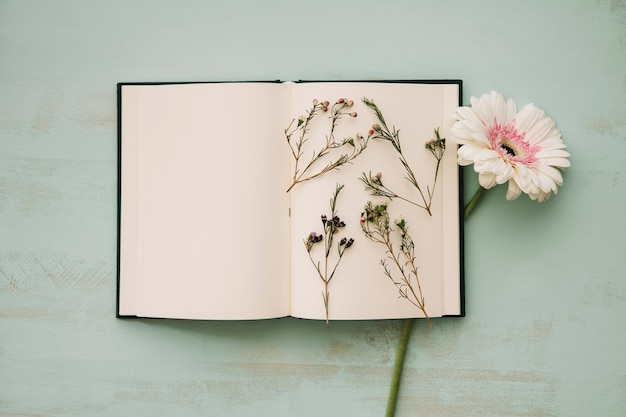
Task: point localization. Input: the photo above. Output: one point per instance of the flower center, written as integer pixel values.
(508, 149)
(510, 144)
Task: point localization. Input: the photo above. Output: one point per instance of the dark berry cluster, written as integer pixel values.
(346, 242)
(312, 239)
(333, 223)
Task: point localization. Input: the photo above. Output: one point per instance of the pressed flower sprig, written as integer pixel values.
(374, 184)
(331, 226)
(349, 147)
(376, 226)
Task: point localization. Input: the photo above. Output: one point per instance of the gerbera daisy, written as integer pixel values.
(523, 148)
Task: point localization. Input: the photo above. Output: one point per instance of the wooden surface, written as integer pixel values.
(545, 332)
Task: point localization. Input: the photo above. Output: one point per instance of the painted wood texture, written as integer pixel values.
(545, 332)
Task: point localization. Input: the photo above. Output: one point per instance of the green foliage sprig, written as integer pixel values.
(332, 224)
(374, 184)
(298, 134)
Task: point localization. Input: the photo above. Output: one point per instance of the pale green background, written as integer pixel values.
(545, 330)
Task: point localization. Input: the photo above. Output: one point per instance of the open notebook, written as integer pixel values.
(207, 229)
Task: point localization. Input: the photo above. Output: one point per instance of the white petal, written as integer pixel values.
(522, 177)
(464, 132)
(465, 113)
(511, 111)
(486, 180)
(527, 117)
(513, 191)
(502, 170)
(553, 142)
(541, 196)
(546, 184)
(505, 172)
(556, 162)
(551, 153)
(548, 178)
(552, 173)
(538, 127)
(492, 106)
(475, 153)
(542, 131)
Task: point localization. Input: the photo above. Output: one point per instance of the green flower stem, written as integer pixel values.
(398, 367)
(408, 326)
(473, 202)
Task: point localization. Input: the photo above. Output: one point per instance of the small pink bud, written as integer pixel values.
(353, 114)
(362, 219)
(315, 102)
(371, 132)
(340, 101)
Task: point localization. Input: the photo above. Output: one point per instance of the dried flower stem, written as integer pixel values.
(331, 227)
(374, 184)
(376, 226)
(303, 170)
